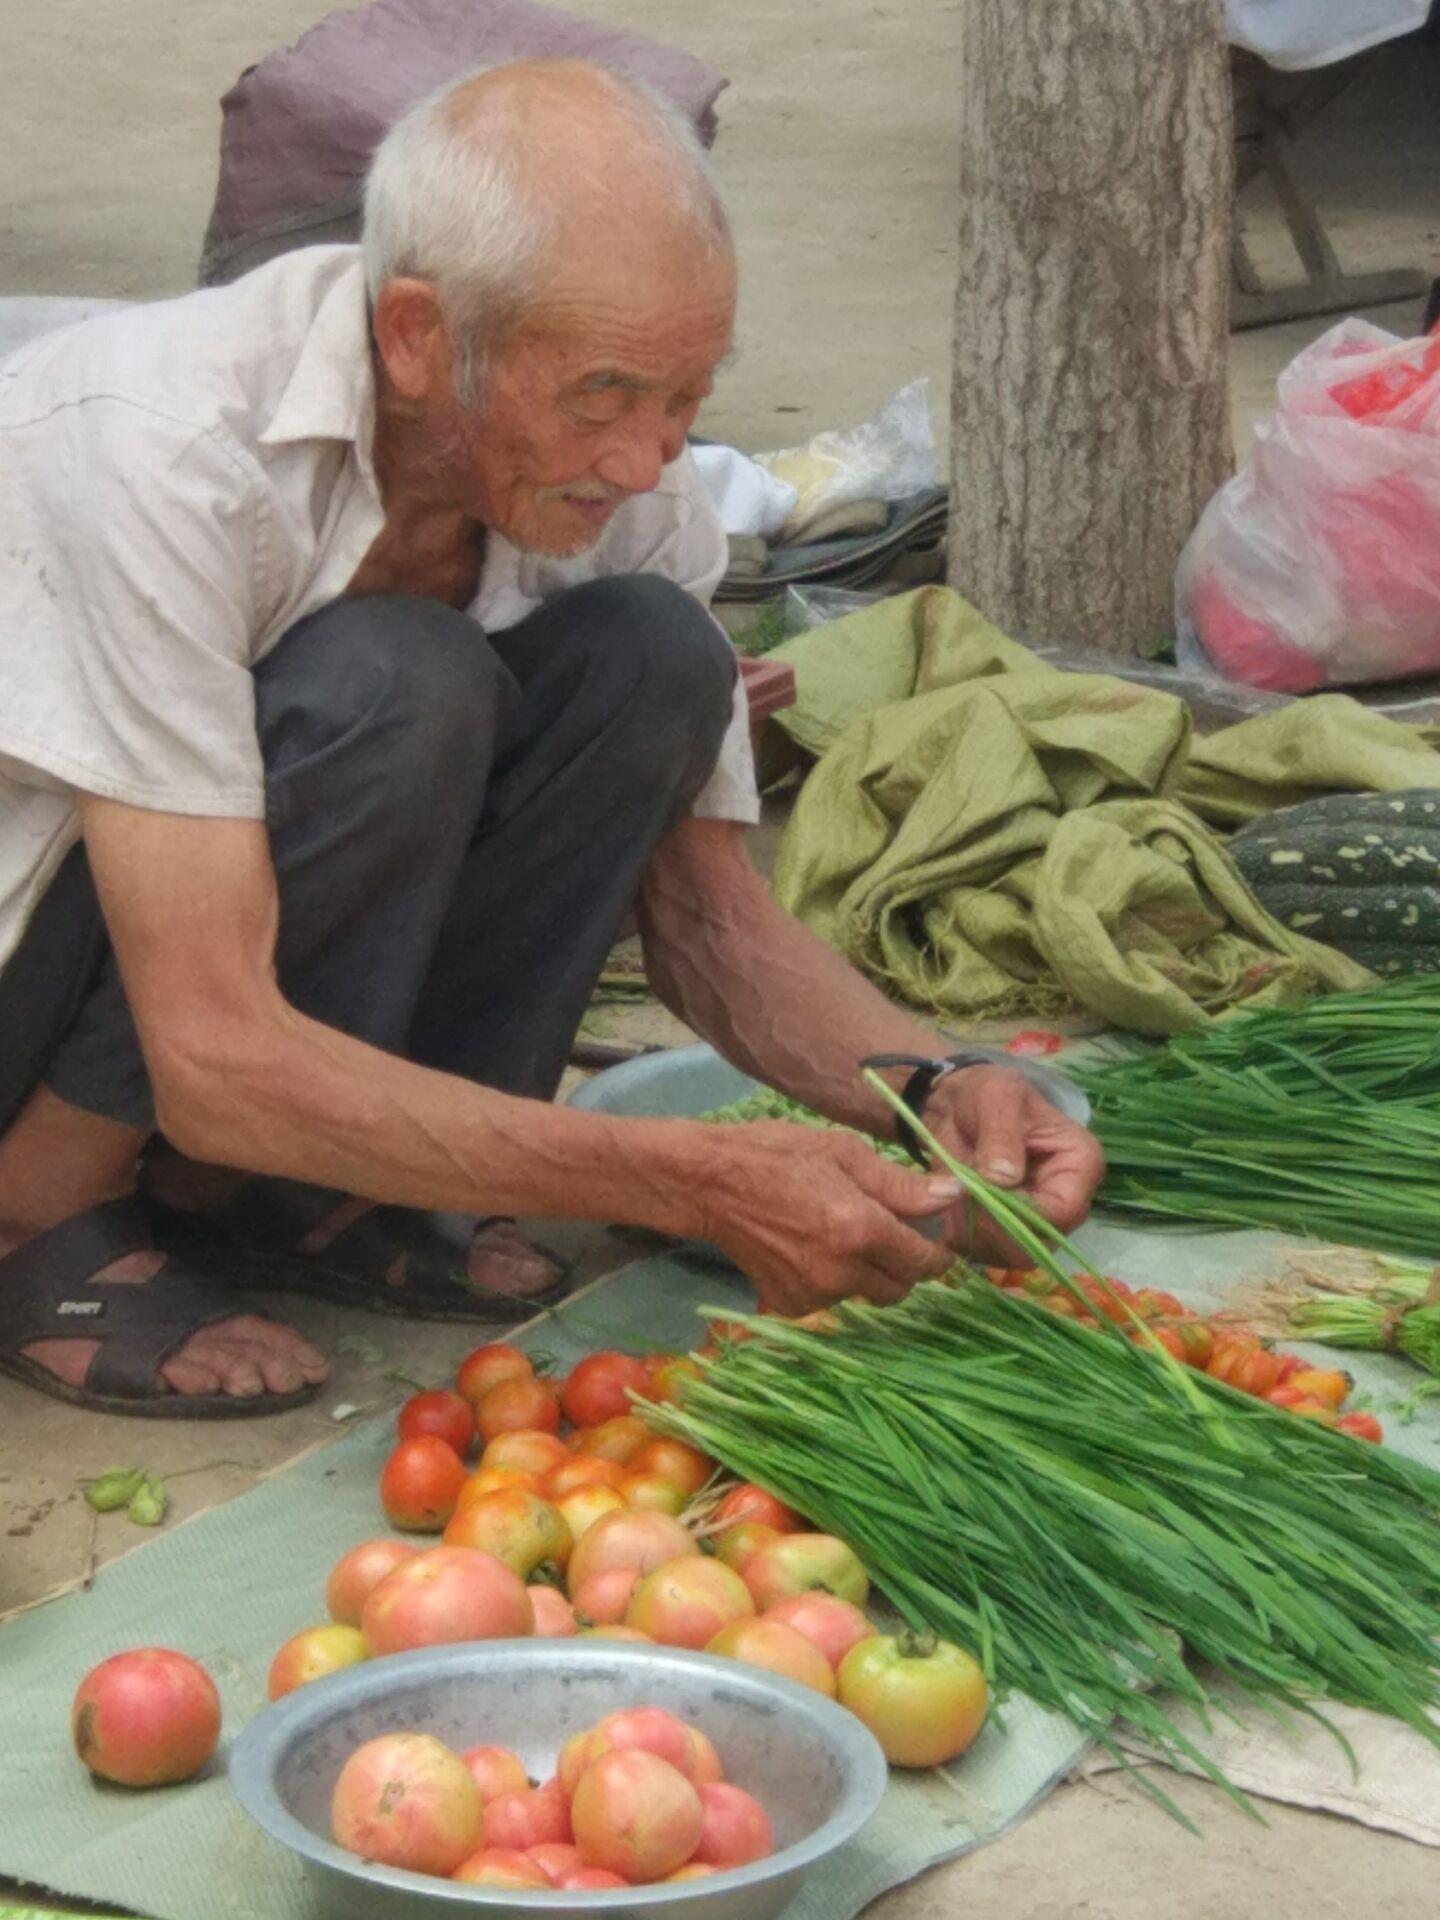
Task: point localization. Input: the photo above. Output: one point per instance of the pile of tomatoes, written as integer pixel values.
(585, 1536)
(638, 1798)
(611, 1460)
(1225, 1350)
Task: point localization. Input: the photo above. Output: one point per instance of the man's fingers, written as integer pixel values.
(905, 1191)
(1066, 1177)
(902, 1253)
(1000, 1109)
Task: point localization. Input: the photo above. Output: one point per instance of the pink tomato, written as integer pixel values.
(779, 1649)
(686, 1602)
(603, 1599)
(148, 1718)
(405, 1800)
(501, 1867)
(834, 1625)
(554, 1858)
(636, 1815)
(554, 1615)
(495, 1770)
(531, 1818)
(356, 1574)
(445, 1595)
(625, 1540)
(737, 1828)
(806, 1563)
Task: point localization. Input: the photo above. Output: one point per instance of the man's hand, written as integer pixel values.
(994, 1120)
(814, 1216)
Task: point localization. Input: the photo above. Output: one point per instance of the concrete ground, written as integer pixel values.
(838, 147)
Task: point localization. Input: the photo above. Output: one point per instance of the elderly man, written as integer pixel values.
(355, 681)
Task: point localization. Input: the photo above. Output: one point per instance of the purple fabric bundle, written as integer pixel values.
(300, 127)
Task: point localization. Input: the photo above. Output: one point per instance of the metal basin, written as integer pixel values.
(816, 1770)
(683, 1081)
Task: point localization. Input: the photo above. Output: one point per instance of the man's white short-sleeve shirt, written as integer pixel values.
(179, 484)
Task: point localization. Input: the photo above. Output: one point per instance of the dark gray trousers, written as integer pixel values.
(459, 823)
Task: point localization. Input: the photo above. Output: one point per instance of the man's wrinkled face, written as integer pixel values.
(591, 397)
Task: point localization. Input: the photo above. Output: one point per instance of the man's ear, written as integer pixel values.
(412, 337)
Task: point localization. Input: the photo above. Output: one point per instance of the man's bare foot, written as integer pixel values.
(240, 1357)
(501, 1259)
(58, 1161)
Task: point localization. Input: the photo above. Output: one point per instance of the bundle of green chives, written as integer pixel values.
(1322, 1119)
(1066, 1502)
(1387, 1305)
(1041, 1493)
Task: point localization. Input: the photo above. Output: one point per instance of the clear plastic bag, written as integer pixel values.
(888, 457)
(807, 607)
(1319, 563)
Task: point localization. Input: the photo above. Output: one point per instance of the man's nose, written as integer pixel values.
(634, 463)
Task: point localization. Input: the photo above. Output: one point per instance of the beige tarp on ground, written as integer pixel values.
(985, 834)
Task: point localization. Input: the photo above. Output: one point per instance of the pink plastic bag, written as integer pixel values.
(1319, 563)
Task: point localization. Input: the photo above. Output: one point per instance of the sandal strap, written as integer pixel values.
(48, 1292)
(84, 1244)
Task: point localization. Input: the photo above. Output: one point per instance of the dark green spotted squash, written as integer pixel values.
(1359, 871)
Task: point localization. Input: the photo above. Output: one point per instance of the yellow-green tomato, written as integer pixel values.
(922, 1698)
(314, 1653)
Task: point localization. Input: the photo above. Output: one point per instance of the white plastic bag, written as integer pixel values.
(749, 500)
(888, 457)
(1319, 563)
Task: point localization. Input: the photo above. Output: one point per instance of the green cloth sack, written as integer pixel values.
(985, 834)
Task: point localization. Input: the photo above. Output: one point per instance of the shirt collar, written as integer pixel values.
(330, 394)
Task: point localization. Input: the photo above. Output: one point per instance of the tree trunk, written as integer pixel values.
(1090, 409)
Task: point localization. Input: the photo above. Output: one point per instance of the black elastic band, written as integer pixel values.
(915, 1093)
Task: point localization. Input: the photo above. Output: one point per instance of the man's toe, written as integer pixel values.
(191, 1378)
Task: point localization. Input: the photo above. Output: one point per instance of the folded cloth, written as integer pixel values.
(986, 834)
(1393, 1785)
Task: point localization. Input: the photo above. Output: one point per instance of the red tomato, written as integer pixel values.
(1197, 1340)
(600, 1388)
(486, 1367)
(529, 1404)
(1170, 1340)
(1229, 1350)
(1360, 1426)
(420, 1486)
(449, 1416)
(1034, 1041)
(1255, 1372)
(749, 1502)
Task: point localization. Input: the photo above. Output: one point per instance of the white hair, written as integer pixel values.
(461, 201)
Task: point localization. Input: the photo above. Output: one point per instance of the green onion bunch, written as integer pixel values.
(1043, 1494)
(1322, 1119)
(1389, 1305)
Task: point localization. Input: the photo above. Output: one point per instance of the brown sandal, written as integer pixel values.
(256, 1236)
(46, 1293)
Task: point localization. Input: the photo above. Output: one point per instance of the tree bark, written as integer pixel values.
(1090, 404)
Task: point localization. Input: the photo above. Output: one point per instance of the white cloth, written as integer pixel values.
(179, 484)
(1297, 34)
(1394, 1786)
(749, 500)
